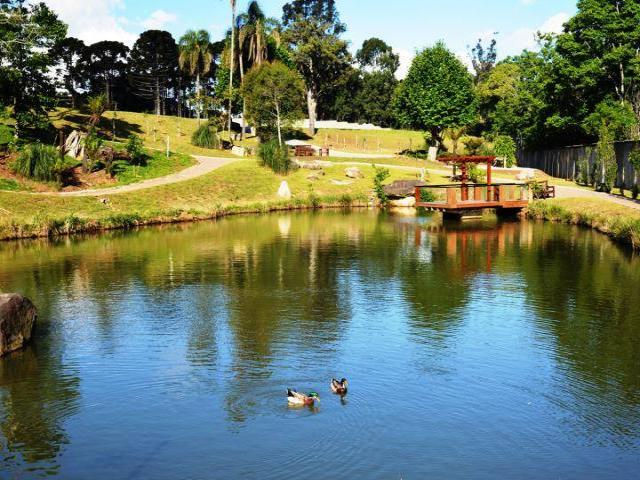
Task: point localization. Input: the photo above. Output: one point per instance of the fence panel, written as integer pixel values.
(563, 162)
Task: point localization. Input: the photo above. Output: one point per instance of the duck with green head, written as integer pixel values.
(297, 398)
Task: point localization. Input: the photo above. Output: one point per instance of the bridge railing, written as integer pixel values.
(482, 193)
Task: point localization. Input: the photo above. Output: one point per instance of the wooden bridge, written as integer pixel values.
(470, 199)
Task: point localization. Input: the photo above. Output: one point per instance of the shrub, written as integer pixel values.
(583, 177)
(634, 191)
(275, 156)
(475, 174)
(473, 144)
(381, 174)
(92, 145)
(136, 151)
(205, 137)
(606, 155)
(6, 136)
(505, 148)
(40, 162)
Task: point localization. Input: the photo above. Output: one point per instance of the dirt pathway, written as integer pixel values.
(575, 192)
(204, 166)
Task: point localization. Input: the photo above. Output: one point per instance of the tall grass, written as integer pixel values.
(39, 162)
(275, 156)
(624, 228)
(205, 137)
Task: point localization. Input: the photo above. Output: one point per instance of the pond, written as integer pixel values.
(484, 350)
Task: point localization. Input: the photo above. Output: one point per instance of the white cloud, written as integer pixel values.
(406, 57)
(93, 20)
(525, 38)
(158, 20)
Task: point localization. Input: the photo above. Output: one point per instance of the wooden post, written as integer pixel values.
(451, 197)
(417, 195)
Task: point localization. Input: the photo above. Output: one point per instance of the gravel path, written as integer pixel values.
(204, 166)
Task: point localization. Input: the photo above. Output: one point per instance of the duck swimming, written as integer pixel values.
(296, 398)
(339, 387)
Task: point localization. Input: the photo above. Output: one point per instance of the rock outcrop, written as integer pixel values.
(353, 172)
(284, 191)
(17, 317)
(402, 188)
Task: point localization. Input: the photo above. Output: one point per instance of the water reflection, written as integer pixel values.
(212, 321)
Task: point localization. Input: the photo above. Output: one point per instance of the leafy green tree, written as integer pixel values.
(600, 47)
(438, 93)
(320, 55)
(153, 67)
(606, 158)
(196, 57)
(28, 35)
(375, 84)
(506, 149)
(377, 55)
(274, 95)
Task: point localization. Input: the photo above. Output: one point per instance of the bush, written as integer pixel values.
(606, 156)
(475, 174)
(205, 137)
(505, 148)
(275, 156)
(6, 136)
(473, 144)
(136, 151)
(381, 174)
(634, 191)
(583, 177)
(40, 162)
(92, 145)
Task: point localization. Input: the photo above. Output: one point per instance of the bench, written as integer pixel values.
(542, 190)
(305, 151)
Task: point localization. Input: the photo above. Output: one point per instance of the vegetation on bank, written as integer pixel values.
(243, 186)
(618, 221)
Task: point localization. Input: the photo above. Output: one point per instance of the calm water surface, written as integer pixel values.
(473, 351)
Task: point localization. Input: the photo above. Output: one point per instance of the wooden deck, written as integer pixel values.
(458, 199)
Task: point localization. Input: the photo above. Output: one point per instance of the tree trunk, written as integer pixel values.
(198, 97)
(157, 97)
(312, 107)
(278, 124)
(244, 102)
(232, 62)
(108, 91)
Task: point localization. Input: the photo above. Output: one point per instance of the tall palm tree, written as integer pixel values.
(232, 60)
(252, 40)
(196, 57)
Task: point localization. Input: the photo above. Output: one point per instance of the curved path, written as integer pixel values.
(204, 166)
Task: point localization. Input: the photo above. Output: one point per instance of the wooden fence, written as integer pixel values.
(564, 162)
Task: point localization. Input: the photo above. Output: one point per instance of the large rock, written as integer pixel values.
(402, 188)
(284, 191)
(17, 317)
(403, 202)
(353, 172)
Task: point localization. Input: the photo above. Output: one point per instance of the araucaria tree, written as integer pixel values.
(438, 93)
(196, 57)
(274, 94)
(312, 32)
(153, 67)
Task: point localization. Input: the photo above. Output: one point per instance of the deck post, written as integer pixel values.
(451, 197)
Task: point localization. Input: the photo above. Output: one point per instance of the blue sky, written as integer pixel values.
(405, 24)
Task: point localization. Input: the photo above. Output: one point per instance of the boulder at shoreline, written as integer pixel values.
(17, 317)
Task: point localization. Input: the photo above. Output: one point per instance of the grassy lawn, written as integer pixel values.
(620, 222)
(158, 165)
(242, 186)
(151, 128)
